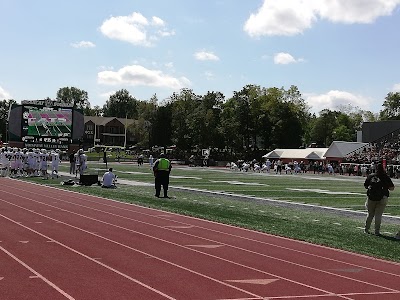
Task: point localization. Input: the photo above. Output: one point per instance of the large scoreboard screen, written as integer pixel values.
(43, 125)
(47, 122)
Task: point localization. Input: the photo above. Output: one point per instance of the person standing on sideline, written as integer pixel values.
(105, 157)
(151, 161)
(109, 179)
(381, 182)
(72, 163)
(55, 162)
(162, 169)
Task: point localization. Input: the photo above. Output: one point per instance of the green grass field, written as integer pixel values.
(315, 226)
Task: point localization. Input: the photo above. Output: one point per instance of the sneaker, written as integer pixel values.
(366, 231)
(397, 236)
(378, 234)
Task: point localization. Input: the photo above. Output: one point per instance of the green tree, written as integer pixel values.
(324, 126)
(147, 112)
(95, 111)
(230, 126)
(183, 122)
(343, 133)
(206, 121)
(72, 95)
(162, 126)
(391, 106)
(286, 126)
(120, 105)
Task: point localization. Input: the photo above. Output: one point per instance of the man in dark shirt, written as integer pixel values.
(71, 163)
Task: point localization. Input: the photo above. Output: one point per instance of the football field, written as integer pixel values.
(49, 123)
(339, 191)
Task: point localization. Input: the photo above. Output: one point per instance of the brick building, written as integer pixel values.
(108, 131)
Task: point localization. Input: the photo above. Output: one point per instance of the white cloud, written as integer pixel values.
(348, 12)
(291, 17)
(396, 87)
(283, 17)
(204, 55)
(136, 75)
(135, 29)
(156, 21)
(209, 75)
(165, 33)
(107, 94)
(4, 95)
(283, 58)
(334, 99)
(83, 44)
(105, 68)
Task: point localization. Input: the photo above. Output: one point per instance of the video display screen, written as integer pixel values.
(45, 126)
(47, 122)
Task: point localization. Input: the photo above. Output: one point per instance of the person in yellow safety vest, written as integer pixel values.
(161, 170)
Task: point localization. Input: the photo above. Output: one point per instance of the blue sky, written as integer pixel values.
(337, 52)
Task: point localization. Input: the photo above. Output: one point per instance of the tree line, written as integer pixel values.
(253, 119)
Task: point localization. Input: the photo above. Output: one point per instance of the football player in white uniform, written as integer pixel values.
(83, 158)
(55, 162)
(4, 162)
(43, 157)
(31, 163)
(77, 163)
(19, 163)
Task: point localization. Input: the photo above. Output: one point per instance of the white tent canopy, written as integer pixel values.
(299, 154)
(339, 149)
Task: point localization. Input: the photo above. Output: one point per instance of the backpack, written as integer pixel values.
(375, 190)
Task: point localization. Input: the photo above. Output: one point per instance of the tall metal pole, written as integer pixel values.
(126, 119)
(94, 135)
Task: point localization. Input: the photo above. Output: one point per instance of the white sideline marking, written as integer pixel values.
(185, 177)
(38, 274)
(238, 182)
(83, 255)
(324, 192)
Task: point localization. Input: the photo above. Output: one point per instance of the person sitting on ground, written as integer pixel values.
(109, 179)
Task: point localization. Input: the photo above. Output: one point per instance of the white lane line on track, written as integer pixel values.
(207, 254)
(89, 196)
(225, 225)
(79, 253)
(66, 295)
(125, 246)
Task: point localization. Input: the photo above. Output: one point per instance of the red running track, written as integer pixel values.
(57, 244)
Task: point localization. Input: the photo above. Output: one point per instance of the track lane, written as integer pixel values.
(19, 281)
(78, 276)
(161, 217)
(149, 264)
(310, 261)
